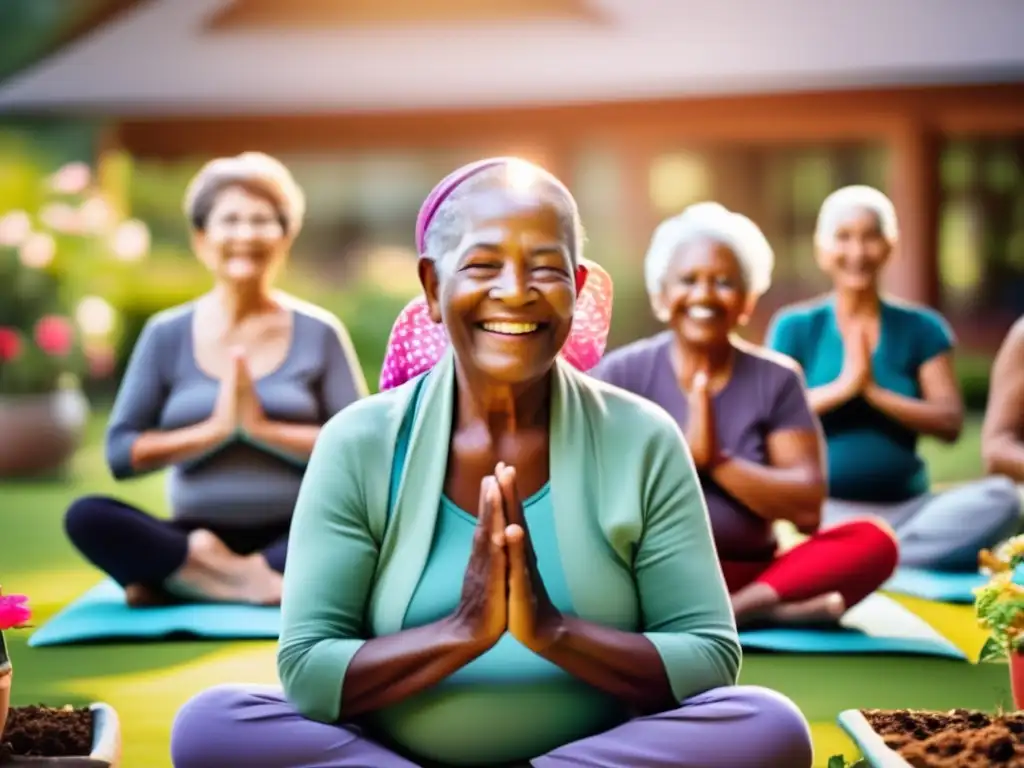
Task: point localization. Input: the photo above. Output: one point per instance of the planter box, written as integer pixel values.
(960, 734)
(106, 745)
(873, 748)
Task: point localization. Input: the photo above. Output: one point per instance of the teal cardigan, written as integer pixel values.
(629, 517)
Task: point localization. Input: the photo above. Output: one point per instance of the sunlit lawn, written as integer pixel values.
(148, 682)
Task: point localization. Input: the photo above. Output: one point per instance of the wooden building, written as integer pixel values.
(641, 106)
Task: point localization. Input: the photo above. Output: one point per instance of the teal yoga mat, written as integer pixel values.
(878, 625)
(940, 586)
(101, 614)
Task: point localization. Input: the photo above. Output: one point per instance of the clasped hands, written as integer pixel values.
(701, 435)
(238, 406)
(857, 376)
(502, 588)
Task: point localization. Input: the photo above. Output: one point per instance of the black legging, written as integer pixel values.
(133, 547)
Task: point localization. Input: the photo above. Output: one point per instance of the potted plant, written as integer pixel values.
(84, 737)
(999, 607)
(51, 335)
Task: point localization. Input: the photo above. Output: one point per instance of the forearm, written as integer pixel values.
(1003, 456)
(829, 396)
(5, 696)
(941, 420)
(624, 664)
(391, 668)
(774, 493)
(294, 439)
(157, 449)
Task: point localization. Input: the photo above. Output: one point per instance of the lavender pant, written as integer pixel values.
(233, 726)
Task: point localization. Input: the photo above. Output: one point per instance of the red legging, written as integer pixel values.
(853, 558)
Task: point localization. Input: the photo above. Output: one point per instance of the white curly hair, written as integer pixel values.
(713, 222)
(845, 201)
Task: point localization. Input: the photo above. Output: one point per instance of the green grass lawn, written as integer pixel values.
(147, 683)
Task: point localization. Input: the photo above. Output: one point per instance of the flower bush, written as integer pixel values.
(50, 333)
(999, 605)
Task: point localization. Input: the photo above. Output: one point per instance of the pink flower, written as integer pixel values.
(72, 179)
(14, 613)
(55, 335)
(10, 344)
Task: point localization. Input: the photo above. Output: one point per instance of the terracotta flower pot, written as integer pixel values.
(1017, 679)
(40, 432)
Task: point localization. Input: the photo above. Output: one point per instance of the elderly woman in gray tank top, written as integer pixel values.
(229, 392)
(755, 441)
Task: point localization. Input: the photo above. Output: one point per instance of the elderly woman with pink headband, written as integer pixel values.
(466, 586)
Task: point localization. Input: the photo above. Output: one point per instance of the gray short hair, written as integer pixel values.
(449, 224)
(713, 222)
(843, 202)
(255, 172)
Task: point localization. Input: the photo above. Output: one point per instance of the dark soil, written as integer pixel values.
(47, 732)
(960, 738)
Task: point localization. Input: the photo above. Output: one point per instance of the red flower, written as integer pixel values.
(55, 335)
(10, 344)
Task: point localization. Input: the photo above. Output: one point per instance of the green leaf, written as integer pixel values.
(837, 761)
(993, 650)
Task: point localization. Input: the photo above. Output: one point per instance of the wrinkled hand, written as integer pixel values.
(700, 428)
(533, 619)
(482, 612)
(857, 372)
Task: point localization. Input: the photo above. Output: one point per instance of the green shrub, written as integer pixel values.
(973, 371)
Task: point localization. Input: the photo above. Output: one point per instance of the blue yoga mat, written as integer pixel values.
(940, 586)
(877, 625)
(101, 614)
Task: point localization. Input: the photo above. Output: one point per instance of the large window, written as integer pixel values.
(981, 231)
(780, 187)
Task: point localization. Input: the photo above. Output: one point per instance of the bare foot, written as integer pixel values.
(212, 572)
(753, 602)
(825, 609)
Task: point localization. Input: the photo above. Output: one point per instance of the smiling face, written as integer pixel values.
(243, 241)
(856, 253)
(506, 294)
(704, 293)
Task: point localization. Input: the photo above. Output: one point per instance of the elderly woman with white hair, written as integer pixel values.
(755, 442)
(229, 391)
(880, 373)
(500, 562)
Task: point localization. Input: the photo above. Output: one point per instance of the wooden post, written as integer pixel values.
(914, 189)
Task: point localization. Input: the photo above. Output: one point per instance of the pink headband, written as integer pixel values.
(443, 191)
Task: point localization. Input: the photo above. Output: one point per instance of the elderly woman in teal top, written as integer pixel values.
(502, 561)
(881, 374)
